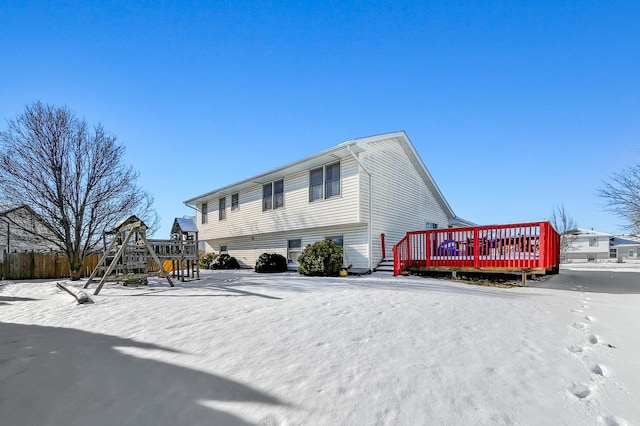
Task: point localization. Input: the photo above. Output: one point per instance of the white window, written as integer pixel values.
(338, 240)
(235, 201)
(273, 195)
(332, 180)
(324, 182)
(294, 250)
(315, 184)
(267, 197)
(278, 194)
(204, 209)
(222, 209)
(613, 253)
(593, 241)
(432, 225)
(223, 249)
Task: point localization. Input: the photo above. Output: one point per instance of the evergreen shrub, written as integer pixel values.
(224, 261)
(271, 262)
(323, 258)
(206, 260)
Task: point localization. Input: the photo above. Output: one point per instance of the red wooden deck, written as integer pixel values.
(533, 247)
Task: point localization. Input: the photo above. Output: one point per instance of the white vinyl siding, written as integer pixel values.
(298, 213)
(247, 249)
(327, 196)
(402, 200)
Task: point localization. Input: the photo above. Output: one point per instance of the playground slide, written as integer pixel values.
(168, 265)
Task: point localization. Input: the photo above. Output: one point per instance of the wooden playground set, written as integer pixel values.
(130, 257)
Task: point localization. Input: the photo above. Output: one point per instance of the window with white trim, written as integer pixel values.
(204, 209)
(338, 240)
(294, 250)
(222, 208)
(235, 201)
(273, 195)
(324, 182)
(593, 241)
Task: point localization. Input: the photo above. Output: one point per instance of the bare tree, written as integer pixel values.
(565, 226)
(72, 176)
(622, 196)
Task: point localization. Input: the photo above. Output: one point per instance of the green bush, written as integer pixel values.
(206, 260)
(323, 258)
(224, 261)
(271, 262)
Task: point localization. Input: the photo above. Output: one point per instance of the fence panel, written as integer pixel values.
(34, 265)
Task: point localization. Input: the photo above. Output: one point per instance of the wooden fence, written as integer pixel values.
(46, 265)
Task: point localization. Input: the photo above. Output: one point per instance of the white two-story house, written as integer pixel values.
(352, 193)
(587, 245)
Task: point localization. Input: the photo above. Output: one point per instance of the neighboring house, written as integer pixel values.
(625, 248)
(15, 239)
(587, 246)
(351, 193)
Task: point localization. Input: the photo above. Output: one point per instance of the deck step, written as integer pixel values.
(385, 265)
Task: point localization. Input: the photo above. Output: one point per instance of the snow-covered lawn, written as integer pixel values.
(244, 348)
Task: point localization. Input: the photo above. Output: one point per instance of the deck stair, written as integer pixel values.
(385, 265)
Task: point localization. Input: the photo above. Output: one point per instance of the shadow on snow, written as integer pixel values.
(60, 376)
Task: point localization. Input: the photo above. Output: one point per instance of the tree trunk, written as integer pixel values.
(75, 267)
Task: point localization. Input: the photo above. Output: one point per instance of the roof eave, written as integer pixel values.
(334, 153)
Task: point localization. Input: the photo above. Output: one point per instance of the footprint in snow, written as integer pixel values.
(579, 390)
(589, 318)
(575, 349)
(599, 370)
(593, 339)
(580, 326)
(576, 311)
(615, 421)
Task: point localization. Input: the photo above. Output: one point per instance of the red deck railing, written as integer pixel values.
(520, 246)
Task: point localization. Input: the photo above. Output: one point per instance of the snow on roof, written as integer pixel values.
(126, 221)
(617, 241)
(581, 231)
(184, 224)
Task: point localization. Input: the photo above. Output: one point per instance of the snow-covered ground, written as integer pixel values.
(602, 266)
(243, 348)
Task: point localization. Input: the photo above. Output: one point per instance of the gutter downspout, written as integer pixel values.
(369, 224)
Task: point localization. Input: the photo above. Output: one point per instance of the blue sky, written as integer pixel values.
(514, 106)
